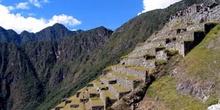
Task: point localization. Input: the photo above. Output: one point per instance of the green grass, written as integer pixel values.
(129, 77)
(203, 61)
(119, 88)
(108, 94)
(165, 90)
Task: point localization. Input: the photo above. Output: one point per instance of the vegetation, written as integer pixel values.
(164, 89)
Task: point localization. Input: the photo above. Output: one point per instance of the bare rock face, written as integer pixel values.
(214, 107)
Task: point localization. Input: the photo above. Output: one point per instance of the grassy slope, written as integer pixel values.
(204, 61)
(202, 64)
(165, 90)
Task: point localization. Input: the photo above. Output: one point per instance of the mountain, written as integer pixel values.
(9, 36)
(52, 33)
(33, 72)
(60, 62)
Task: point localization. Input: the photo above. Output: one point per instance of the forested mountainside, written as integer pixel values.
(30, 73)
(38, 70)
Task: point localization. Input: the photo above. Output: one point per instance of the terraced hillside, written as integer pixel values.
(177, 38)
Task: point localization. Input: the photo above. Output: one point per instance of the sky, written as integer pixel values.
(34, 15)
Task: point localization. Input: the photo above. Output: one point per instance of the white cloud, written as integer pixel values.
(20, 23)
(35, 3)
(10, 8)
(156, 4)
(69, 20)
(38, 3)
(22, 5)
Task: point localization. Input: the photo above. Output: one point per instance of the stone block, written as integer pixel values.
(162, 55)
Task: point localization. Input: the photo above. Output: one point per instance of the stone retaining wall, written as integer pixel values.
(136, 73)
(142, 53)
(139, 62)
(162, 55)
(97, 107)
(113, 91)
(150, 44)
(185, 36)
(195, 27)
(122, 81)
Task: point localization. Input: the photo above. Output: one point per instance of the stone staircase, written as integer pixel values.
(136, 67)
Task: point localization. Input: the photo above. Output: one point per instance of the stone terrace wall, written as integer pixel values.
(195, 27)
(162, 55)
(122, 81)
(139, 62)
(136, 73)
(141, 53)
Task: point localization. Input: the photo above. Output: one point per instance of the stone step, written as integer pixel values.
(143, 62)
(60, 106)
(195, 27)
(83, 95)
(118, 91)
(108, 98)
(191, 35)
(93, 92)
(106, 80)
(148, 60)
(139, 72)
(96, 103)
(74, 104)
(124, 80)
(148, 44)
(144, 52)
(186, 41)
(98, 85)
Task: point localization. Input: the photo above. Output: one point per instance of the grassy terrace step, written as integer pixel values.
(143, 52)
(139, 72)
(74, 104)
(118, 91)
(83, 97)
(93, 92)
(124, 80)
(96, 103)
(190, 35)
(106, 80)
(125, 76)
(60, 106)
(194, 27)
(108, 94)
(149, 44)
(99, 85)
(142, 62)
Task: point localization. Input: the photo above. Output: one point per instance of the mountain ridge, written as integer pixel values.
(51, 33)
